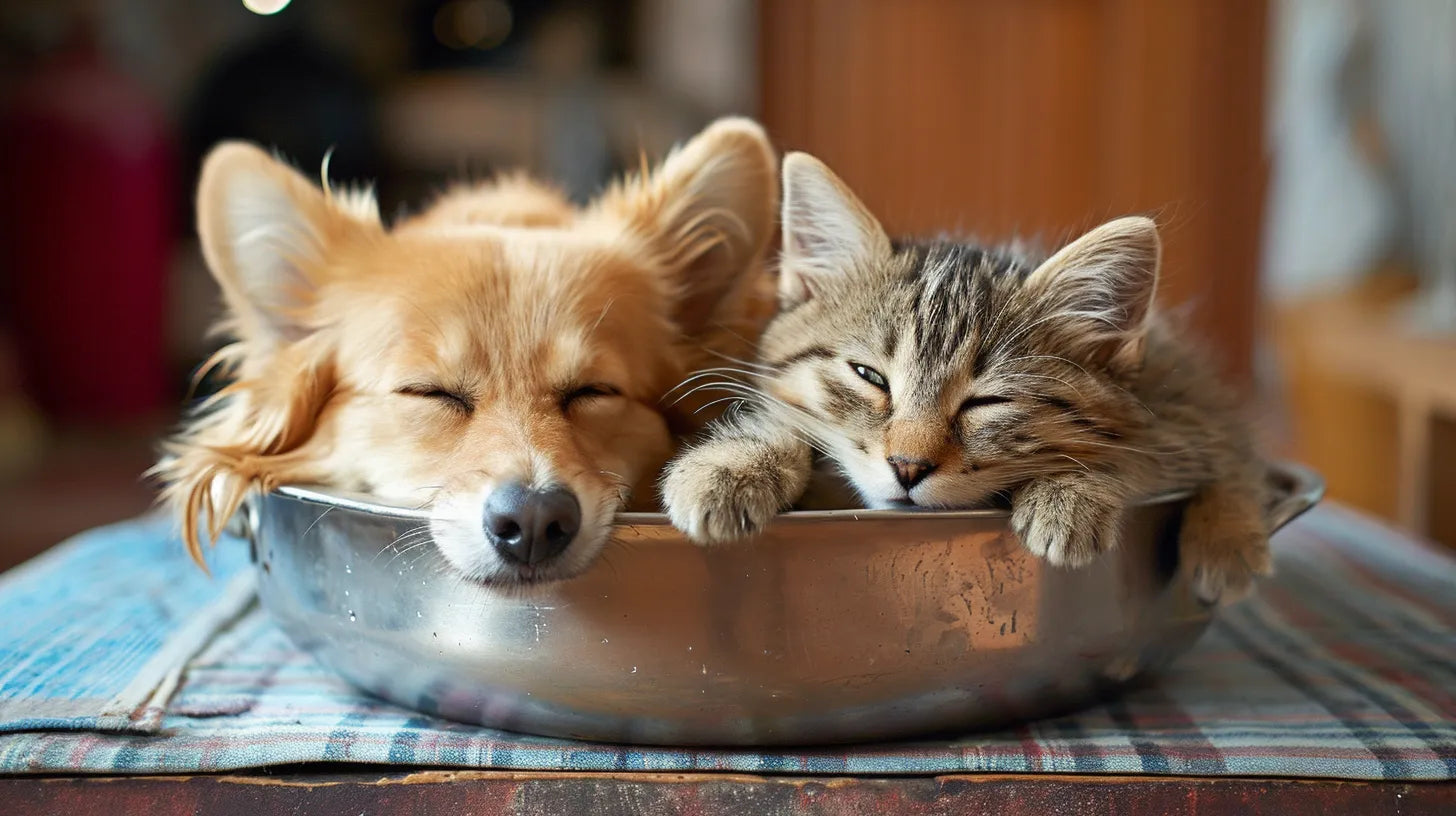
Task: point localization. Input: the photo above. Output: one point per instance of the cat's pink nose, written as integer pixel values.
(909, 472)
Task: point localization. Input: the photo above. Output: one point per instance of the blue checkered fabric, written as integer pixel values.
(119, 656)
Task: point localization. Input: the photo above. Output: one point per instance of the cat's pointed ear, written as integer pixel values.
(828, 233)
(1099, 289)
(265, 230)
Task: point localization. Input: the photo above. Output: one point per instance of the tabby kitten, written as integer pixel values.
(944, 375)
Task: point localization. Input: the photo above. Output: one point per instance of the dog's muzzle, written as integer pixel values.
(528, 526)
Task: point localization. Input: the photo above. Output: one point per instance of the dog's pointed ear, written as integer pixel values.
(709, 211)
(265, 231)
(829, 234)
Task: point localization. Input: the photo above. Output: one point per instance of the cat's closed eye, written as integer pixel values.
(871, 376)
(971, 403)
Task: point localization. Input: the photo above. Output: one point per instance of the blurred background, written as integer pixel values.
(1301, 155)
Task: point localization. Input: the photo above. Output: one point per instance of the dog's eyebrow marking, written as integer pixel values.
(810, 353)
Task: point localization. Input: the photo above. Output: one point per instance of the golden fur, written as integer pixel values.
(501, 334)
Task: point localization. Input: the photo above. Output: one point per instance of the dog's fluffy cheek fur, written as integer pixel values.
(630, 447)
(381, 452)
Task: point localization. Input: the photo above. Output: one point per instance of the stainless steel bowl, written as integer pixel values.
(836, 626)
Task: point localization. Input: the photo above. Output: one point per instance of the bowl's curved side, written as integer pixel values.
(819, 632)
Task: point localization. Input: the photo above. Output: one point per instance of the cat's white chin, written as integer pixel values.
(885, 499)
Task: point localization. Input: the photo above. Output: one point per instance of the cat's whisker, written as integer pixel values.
(820, 434)
(750, 363)
(748, 372)
(701, 372)
(1059, 359)
(706, 373)
(1074, 388)
(716, 386)
(726, 389)
(1131, 449)
(718, 401)
(1079, 462)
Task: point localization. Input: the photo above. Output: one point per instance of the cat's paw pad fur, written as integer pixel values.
(714, 503)
(1063, 525)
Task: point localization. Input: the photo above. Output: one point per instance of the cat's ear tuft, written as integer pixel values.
(1102, 286)
(828, 233)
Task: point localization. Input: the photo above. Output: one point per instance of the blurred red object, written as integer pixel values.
(87, 218)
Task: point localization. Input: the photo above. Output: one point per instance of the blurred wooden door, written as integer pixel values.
(1044, 117)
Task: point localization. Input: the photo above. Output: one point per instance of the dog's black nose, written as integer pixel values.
(528, 526)
(908, 471)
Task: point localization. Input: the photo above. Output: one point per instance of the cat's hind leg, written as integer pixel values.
(1224, 547)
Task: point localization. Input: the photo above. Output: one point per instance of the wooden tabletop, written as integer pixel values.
(602, 794)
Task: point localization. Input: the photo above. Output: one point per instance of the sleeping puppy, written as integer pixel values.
(501, 358)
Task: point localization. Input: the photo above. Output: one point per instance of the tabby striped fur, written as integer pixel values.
(946, 374)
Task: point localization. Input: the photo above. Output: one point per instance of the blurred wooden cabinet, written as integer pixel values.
(1373, 404)
(1042, 117)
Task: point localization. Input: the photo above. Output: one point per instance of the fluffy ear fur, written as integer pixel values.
(1100, 288)
(264, 231)
(710, 209)
(828, 232)
(252, 434)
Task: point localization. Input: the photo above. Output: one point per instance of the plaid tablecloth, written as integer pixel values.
(1344, 666)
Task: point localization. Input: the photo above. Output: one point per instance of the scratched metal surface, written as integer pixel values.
(832, 627)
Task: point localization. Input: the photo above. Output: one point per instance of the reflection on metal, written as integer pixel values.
(833, 626)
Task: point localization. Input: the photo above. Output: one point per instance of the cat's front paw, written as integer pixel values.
(1063, 523)
(714, 503)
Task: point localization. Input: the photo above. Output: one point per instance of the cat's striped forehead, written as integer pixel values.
(955, 297)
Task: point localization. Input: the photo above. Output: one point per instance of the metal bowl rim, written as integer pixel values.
(360, 503)
(1300, 478)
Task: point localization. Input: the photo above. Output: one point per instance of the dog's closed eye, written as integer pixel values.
(572, 396)
(453, 399)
